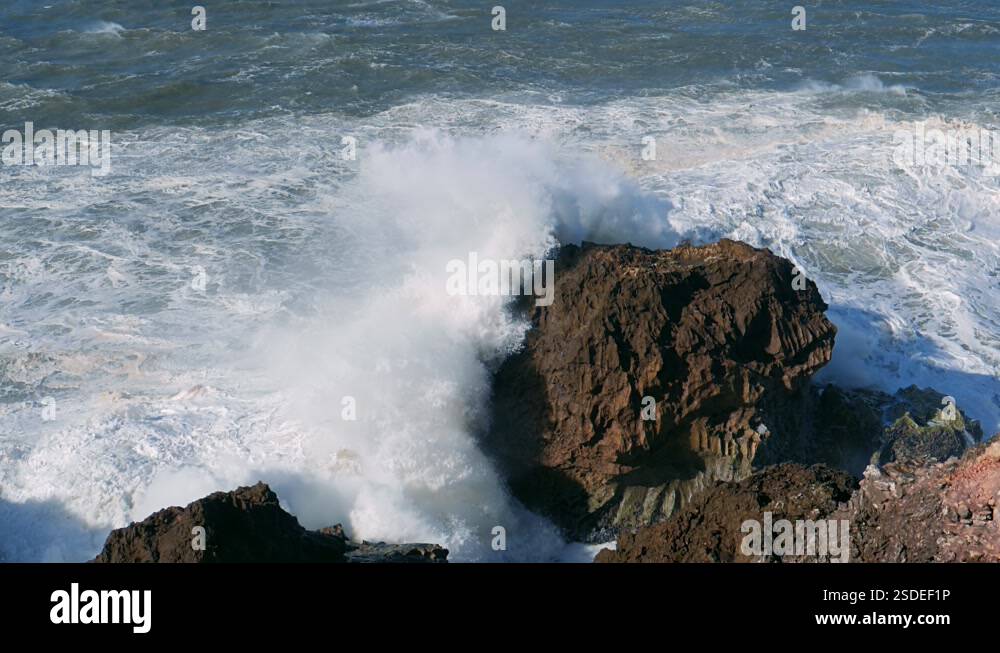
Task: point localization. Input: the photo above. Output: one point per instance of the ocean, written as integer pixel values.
(268, 247)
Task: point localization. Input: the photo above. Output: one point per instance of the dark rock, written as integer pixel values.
(715, 335)
(245, 525)
(367, 552)
(844, 428)
(828, 425)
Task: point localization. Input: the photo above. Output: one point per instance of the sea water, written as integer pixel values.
(287, 186)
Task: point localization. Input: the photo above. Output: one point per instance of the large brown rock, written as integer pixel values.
(717, 335)
(246, 525)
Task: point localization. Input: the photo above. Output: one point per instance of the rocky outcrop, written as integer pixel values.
(719, 337)
(909, 511)
(926, 426)
(708, 529)
(916, 502)
(246, 525)
(848, 429)
(368, 552)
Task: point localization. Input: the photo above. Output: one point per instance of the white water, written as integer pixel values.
(326, 279)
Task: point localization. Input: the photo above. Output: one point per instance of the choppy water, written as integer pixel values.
(323, 277)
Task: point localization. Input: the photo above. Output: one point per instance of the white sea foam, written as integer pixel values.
(864, 83)
(104, 27)
(416, 360)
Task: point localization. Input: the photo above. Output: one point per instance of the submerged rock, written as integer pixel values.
(716, 336)
(245, 525)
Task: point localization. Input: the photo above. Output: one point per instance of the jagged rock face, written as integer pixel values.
(708, 332)
(708, 529)
(931, 512)
(247, 525)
